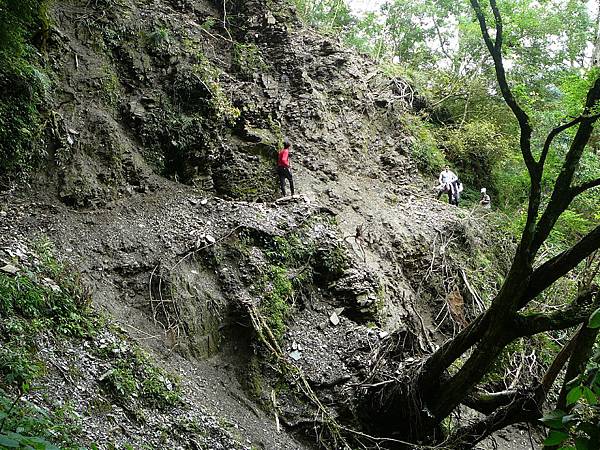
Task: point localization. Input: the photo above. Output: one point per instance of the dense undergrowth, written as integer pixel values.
(24, 27)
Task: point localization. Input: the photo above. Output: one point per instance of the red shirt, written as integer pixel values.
(283, 159)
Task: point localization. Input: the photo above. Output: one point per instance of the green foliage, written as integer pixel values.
(425, 152)
(274, 305)
(21, 123)
(49, 299)
(247, 59)
(136, 380)
(594, 321)
(23, 85)
(330, 15)
(159, 41)
(579, 428)
(178, 136)
(26, 426)
(18, 365)
(475, 150)
(331, 262)
(293, 259)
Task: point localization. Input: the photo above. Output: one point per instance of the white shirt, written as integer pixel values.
(447, 176)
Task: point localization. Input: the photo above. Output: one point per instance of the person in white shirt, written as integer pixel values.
(447, 180)
(447, 176)
(485, 199)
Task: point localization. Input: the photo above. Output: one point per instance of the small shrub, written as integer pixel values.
(18, 365)
(122, 383)
(425, 152)
(274, 305)
(26, 426)
(136, 379)
(247, 59)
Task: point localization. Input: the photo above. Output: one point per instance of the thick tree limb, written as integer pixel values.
(438, 362)
(576, 190)
(562, 193)
(495, 49)
(559, 361)
(498, 19)
(488, 402)
(561, 264)
(527, 407)
(576, 313)
(586, 337)
(524, 406)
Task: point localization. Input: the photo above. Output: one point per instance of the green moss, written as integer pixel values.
(255, 383)
(274, 305)
(222, 108)
(247, 59)
(158, 41)
(110, 86)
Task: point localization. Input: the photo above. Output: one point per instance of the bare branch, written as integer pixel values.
(498, 19)
(555, 132)
(576, 190)
(561, 264)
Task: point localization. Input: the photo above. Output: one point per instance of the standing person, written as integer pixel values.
(446, 179)
(457, 188)
(283, 167)
(485, 200)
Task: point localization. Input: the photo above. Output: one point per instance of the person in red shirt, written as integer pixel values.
(283, 167)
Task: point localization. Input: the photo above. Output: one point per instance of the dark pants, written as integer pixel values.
(285, 173)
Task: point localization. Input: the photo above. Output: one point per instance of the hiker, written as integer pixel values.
(447, 179)
(283, 168)
(457, 188)
(485, 200)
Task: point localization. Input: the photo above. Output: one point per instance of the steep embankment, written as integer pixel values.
(149, 90)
